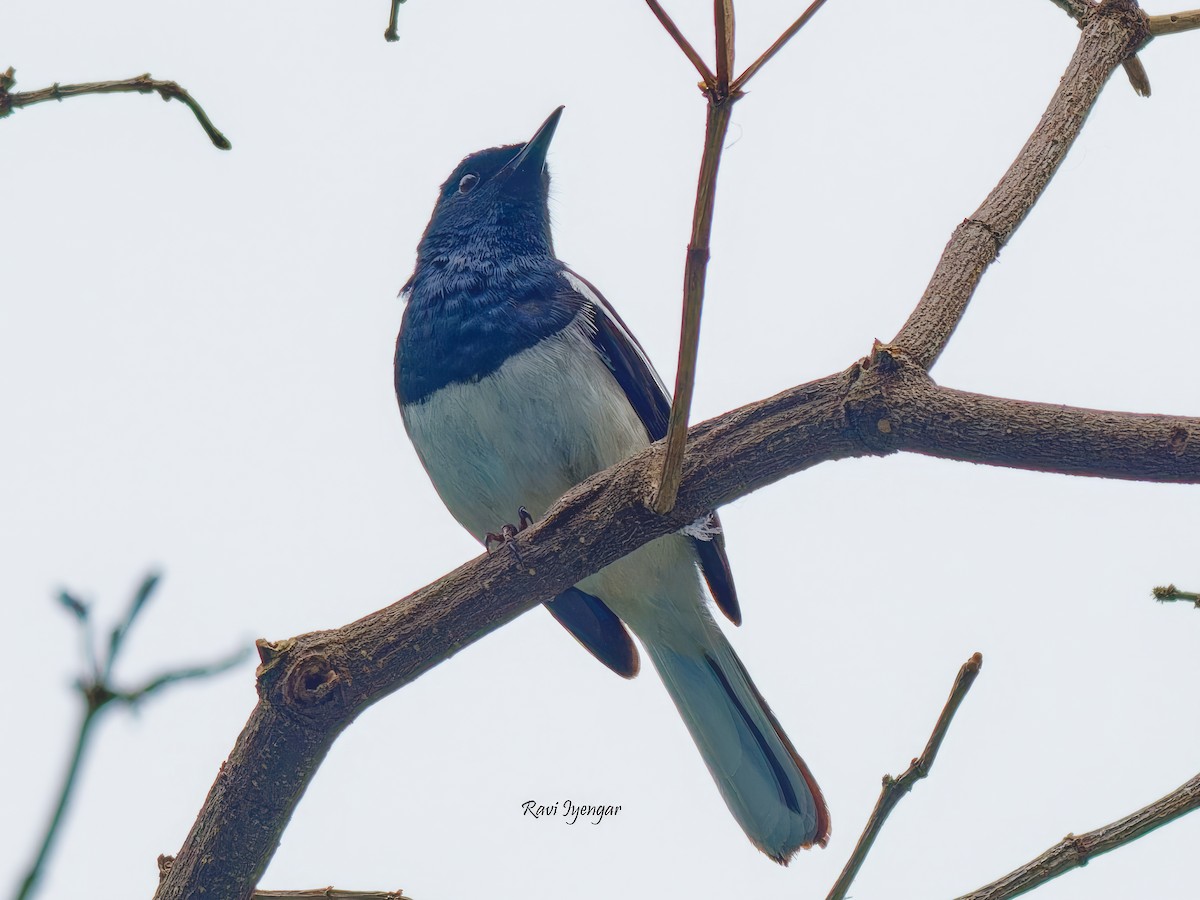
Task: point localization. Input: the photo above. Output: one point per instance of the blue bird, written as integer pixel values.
(516, 381)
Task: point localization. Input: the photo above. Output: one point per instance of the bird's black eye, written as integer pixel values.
(467, 182)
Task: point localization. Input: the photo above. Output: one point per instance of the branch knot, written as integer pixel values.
(312, 682)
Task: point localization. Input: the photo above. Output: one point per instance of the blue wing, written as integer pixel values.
(596, 627)
(650, 400)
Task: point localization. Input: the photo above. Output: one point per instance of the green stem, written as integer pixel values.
(393, 33)
(29, 884)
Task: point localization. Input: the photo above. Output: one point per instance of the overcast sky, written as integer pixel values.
(195, 374)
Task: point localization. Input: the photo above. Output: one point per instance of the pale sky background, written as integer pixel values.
(195, 373)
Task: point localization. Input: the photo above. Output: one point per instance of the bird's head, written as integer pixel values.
(494, 204)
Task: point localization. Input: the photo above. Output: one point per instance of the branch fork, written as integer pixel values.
(721, 89)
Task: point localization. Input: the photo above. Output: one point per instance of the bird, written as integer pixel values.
(516, 381)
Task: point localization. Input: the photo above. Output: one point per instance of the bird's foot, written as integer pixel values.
(509, 532)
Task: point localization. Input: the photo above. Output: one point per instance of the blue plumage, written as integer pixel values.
(516, 381)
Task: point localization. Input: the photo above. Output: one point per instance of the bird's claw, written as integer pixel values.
(509, 532)
(505, 535)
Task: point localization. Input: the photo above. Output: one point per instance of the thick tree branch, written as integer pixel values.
(1077, 850)
(142, 84)
(312, 686)
(1111, 33)
(1076, 9)
(907, 411)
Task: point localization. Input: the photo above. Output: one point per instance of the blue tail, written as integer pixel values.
(764, 782)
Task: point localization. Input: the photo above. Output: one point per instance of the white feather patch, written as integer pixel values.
(704, 528)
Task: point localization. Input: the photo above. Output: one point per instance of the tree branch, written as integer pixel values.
(330, 893)
(142, 84)
(695, 272)
(721, 97)
(187, 673)
(907, 411)
(708, 79)
(1077, 850)
(65, 792)
(322, 893)
(1112, 33)
(1079, 10)
(393, 33)
(1174, 22)
(723, 26)
(96, 689)
(1076, 9)
(1172, 594)
(894, 789)
(789, 33)
(314, 685)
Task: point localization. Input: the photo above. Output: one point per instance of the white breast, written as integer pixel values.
(545, 420)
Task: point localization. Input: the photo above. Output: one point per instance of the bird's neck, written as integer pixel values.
(484, 264)
(468, 312)
(486, 247)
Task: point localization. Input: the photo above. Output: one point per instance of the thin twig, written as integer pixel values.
(740, 82)
(189, 673)
(1171, 594)
(1074, 850)
(98, 694)
(706, 75)
(29, 882)
(142, 84)
(392, 33)
(894, 789)
(121, 631)
(165, 863)
(1173, 23)
(695, 271)
(723, 26)
(721, 97)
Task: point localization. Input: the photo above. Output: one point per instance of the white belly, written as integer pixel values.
(545, 420)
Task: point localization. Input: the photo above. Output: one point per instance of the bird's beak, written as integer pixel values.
(530, 161)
